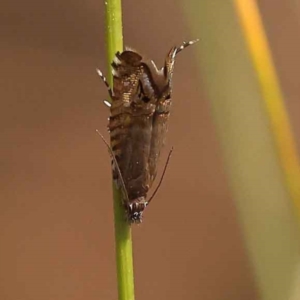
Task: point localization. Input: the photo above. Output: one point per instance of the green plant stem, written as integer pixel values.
(114, 43)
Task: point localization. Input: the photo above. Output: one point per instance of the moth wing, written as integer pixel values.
(131, 134)
(137, 171)
(159, 130)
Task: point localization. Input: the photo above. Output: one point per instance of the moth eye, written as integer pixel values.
(145, 99)
(168, 97)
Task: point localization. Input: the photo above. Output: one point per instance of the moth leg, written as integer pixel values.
(170, 59)
(184, 45)
(110, 91)
(117, 166)
(162, 176)
(107, 103)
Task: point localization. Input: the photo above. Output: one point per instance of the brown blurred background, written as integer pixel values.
(56, 230)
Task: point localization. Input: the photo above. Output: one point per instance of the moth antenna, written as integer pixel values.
(162, 176)
(117, 165)
(110, 91)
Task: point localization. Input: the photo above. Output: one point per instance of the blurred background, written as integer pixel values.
(56, 224)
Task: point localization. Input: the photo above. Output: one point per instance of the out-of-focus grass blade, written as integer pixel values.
(262, 60)
(253, 143)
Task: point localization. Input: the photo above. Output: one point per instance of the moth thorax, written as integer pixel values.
(135, 209)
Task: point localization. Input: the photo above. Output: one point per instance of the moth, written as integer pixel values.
(139, 112)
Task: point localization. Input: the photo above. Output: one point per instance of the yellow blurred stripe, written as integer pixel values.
(260, 53)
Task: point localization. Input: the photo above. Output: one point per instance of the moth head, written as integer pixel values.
(129, 58)
(135, 210)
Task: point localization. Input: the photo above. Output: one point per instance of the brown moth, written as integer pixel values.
(140, 109)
